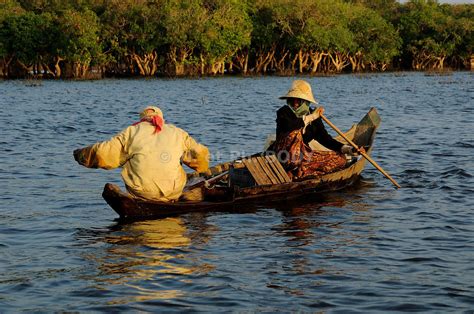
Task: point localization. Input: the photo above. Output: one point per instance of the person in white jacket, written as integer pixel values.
(150, 153)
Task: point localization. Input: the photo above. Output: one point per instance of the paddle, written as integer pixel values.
(202, 182)
(360, 151)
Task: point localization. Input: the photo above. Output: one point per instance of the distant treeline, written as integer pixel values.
(97, 38)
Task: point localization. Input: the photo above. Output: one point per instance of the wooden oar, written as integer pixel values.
(207, 182)
(360, 151)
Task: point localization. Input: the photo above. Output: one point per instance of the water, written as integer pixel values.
(367, 249)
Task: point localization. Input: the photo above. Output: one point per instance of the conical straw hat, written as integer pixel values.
(300, 89)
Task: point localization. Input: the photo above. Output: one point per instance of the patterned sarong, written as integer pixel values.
(300, 161)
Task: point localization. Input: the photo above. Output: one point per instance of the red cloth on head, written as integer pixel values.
(156, 121)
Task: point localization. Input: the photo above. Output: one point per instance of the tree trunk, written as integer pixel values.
(56, 73)
(293, 63)
(25, 67)
(85, 69)
(439, 62)
(6, 66)
(220, 61)
(373, 66)
(139, 63)
(280, 62)
(57, 68)
(217, 67)
(203, 64)
(421, 60)
(48, 69)
(178, 57)
(242, 60)
(302, 60)
(263, 58)
(326, 63)
(268, 61)
(339, 60)
(316, 58)
(356, 61)
(80, 69)
(146, 64)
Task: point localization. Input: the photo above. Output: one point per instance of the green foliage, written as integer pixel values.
(184, 22)
(25, 36)
(373, 35)
(265, 31)
(78, 39)
(130, 26)
(175, 36)
(9, 7)
(303, 24)
(56, 6)
(326, 27)
(228, 28)
(429, 30)
(335, 18)
(462, 28)
(387, 9)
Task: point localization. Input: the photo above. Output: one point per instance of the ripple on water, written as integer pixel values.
(368, 249)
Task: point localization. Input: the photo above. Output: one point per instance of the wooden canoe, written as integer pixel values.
(228, 196)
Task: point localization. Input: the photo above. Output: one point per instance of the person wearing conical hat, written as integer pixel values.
(150, 154)
(297, 124)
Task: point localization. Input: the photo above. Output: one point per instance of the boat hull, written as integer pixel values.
(230, 198)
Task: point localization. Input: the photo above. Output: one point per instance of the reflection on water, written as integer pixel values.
(328, 227)
(166, 259)
(140, 254)
(159, 234)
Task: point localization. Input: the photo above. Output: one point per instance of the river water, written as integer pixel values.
(370, 248)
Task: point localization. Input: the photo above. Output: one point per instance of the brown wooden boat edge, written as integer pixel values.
(127, 206)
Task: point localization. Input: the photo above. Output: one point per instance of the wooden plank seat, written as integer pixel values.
(266, 170)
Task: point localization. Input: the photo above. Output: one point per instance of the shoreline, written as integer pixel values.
(440, 72)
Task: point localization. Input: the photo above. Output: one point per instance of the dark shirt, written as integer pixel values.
(287, 121)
